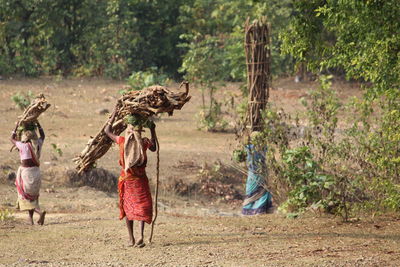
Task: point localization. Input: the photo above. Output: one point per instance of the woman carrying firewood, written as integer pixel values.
(258, 200)
(135, 202)
(28, 180)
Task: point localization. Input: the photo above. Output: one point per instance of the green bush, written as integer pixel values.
(359, 38)
(354, 169)
(142, 79)
(57, 150)
(374, 146)
(22, 101)
(6, 215)
(310, 186)
(212, 120)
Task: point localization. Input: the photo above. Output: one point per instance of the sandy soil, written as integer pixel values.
(82, 226)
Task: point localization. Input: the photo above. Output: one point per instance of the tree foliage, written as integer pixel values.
(362, 40)
(214, 44)
(116, 37)
(360, 37)
(84, 37)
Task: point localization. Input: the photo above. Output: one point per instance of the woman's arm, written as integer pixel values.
(108, 128)
(13, 137)
(41, 132)
(153, 146)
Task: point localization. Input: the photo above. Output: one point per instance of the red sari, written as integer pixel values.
(133, 187)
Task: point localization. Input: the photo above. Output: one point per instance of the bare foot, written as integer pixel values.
(41, 219)
(131, 243)
(140, 244)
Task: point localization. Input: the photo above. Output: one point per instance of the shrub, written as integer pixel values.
(5, 215)
(22, 101)
(142, 79)
(341, 171)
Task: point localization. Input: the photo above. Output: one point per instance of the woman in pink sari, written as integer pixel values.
(28, 180)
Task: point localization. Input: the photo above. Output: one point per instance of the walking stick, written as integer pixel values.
(156, 191)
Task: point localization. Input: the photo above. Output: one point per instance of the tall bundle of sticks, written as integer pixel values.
(258, 58)
(31, 114)
(146, 102)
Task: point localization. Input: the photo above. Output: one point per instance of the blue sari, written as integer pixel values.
(258, 200)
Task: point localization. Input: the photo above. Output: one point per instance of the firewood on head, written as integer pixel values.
(147, 103)
(30, 116)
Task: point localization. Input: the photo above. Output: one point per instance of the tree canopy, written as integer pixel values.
(360, 37)
(117, 37)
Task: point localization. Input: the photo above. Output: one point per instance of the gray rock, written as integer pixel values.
(102, 111)
(11, 176)
(107, 99)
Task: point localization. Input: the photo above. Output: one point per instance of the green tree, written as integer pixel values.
(83, 37)
(202, 65)
(225, 20)
(362, 38)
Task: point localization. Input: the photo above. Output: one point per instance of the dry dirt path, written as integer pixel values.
(89, 234)
(82, 228)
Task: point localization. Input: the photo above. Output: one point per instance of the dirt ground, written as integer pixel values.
(82, 226)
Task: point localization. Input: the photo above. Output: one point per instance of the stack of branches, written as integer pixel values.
(258, 58)
(30, 115)
(146, 103)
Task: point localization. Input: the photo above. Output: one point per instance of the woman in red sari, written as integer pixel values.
(135, 201)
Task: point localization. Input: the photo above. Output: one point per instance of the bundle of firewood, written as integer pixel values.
(33, 111)
(146, 102)
(30, 115)
(258, 61)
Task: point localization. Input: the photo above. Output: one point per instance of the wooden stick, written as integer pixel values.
(156, 191)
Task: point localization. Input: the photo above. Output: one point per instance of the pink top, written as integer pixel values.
(24, 151)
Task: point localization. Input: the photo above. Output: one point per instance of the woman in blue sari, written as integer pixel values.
(258, 200)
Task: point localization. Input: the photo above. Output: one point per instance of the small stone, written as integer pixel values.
(11, 176)
(102, 111)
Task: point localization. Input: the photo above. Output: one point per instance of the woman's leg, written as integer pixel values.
(129, 225)
(140, 242)
(42, 214)
(30, 220)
